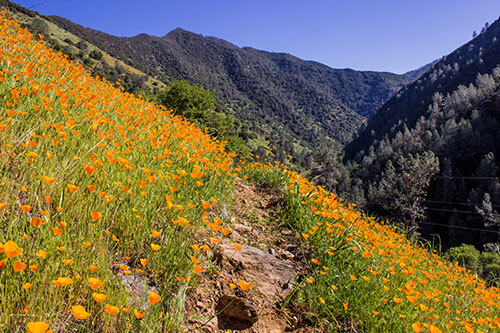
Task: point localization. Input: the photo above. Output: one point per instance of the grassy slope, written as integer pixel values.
(129, 161)
(370, 275)
(88, 173)
(62, 35)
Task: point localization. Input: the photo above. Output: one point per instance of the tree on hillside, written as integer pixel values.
(402, 187)
(199, 106)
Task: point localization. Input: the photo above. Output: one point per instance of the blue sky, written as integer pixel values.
(382, 35)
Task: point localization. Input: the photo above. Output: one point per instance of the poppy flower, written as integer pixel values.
(95, 283)
(37, 327)
(36, 222)
(48, 180)
(11, 250)
(110, 309)
(245, 285)
(153, 298)
(19, 266)
(99, 297)
(95, 216)
(139, 314)
(63, 281)
(25, 208)
(79, 312)
(73, 188)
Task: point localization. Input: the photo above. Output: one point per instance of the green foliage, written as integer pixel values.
(486, 264)
(466, 255)
(461, 202)
(39, 26)
(94, 54)
(199, 106)
(402, 189)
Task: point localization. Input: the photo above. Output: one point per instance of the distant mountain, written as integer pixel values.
(282, 97)
(417, 73)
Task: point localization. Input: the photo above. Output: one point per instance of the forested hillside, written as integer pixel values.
(431, 154)
(461, 67)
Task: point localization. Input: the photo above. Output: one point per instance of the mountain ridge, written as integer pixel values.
(278, 93)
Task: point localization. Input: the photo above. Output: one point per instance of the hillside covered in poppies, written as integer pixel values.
(112, 210)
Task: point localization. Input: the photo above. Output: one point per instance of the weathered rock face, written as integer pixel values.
(274, 278)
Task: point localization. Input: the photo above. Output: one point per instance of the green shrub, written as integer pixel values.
(466, 255)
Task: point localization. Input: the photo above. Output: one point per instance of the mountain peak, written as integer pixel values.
(179, 32)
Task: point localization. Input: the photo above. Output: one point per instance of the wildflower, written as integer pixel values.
(245, 285)
(139, 314)
(11, 249)
(48, 180)
(19, 266)
(95, 283)
(73, 188)
(36, 222)
(155, 247)
(153, 298)
(110, 309)
(37, 327)
(238, 247)
(99, 297)
(63, 281)
(95, 216)
(79, 312)
(57, 231)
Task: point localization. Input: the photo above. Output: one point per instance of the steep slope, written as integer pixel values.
(431, 154)
(89, 55)
(460, 67)
(279, 93)
(113, 211)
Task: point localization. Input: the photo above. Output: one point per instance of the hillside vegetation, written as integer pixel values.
(288, 104)
(100, 187)
(431, 154)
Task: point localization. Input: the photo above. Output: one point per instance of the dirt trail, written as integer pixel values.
(271, 260)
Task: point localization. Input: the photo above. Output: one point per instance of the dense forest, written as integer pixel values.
(431, 154)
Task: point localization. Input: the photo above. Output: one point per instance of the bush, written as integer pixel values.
(466, 255)
(95, 55)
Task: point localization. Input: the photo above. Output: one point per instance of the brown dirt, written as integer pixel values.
(214, 307)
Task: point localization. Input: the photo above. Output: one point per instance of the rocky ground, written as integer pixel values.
(271, 259)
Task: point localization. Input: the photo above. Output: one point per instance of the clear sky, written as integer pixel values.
(382, 35)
